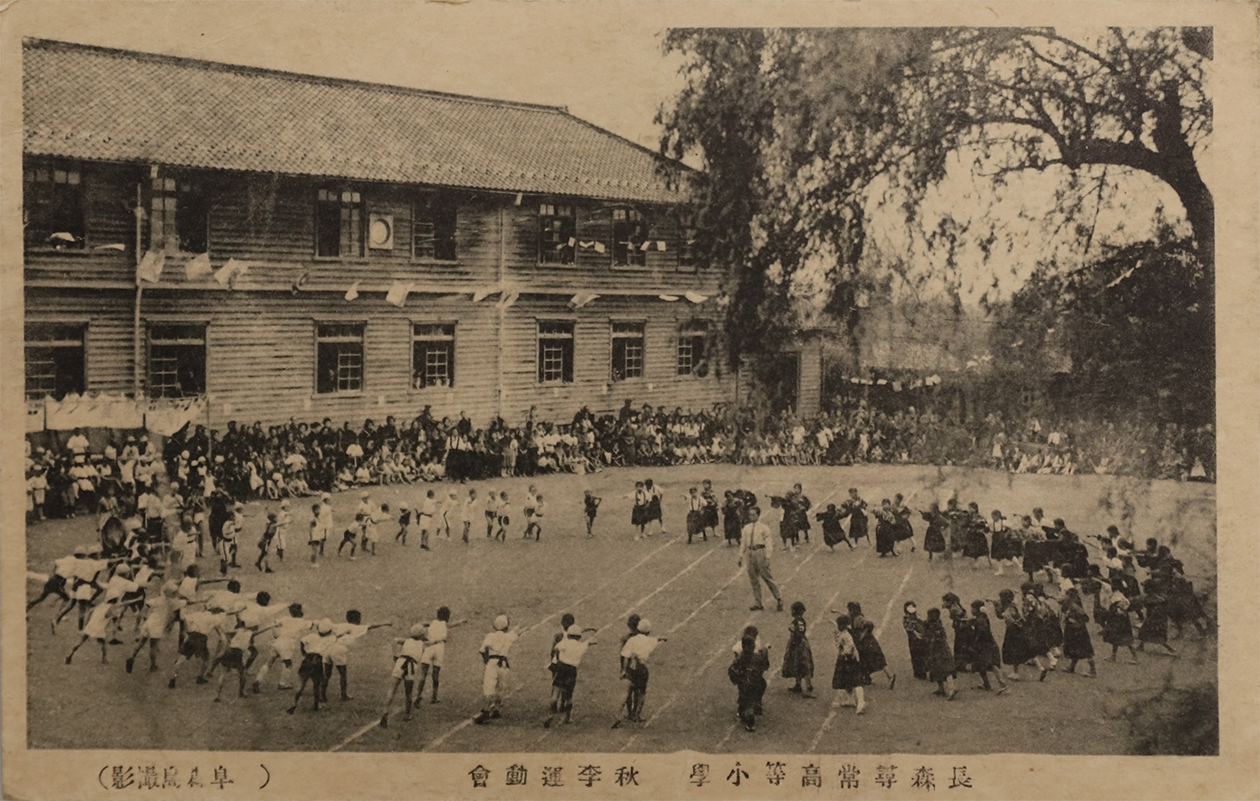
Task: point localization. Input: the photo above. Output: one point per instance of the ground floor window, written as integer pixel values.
(692, 354)
(627, 351)
(555, 352)
(54, 360)
(177, 360)
(432, 355)
(338, 357)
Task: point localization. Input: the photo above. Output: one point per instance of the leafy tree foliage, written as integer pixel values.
(804, 132)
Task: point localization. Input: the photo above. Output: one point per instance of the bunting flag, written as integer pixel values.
(198, 267)
(646, 244)
(586, 245)
(696, 297)
(660, 245)
(509, 299)
(353, 291)
(855, 380)
(62, 236)
(482, 294)
(668, 298)
(150, 267)
(581, 299)
(896, 385)
(118, 246)
(398, 292)
(233, 269)
(572, 242)
(599, 247)
(301, 279)
(882, 381)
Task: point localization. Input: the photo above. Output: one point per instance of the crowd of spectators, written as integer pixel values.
(299, 458)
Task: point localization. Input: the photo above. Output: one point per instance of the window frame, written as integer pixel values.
(613, 336)
(432, 199)
(687, 259)
(81, 325)
(150, 342)
(317, 339)
(688, 332)
(552, 336)
(636, 256)
(355, 203)
(416, 339)
(567, 253)
(178, 188)
(31, 168)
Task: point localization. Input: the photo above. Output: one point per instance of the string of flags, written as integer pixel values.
(897, 386)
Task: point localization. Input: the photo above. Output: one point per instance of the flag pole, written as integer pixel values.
(135, 338)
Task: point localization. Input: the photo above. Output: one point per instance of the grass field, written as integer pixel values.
(694, 595)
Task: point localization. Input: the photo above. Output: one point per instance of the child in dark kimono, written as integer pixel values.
(747, 674)
(934, 539)
(940, 659)
(798, 658)
(732, 519)
(915, 632)
(855, 509)
(1076, 642)
(848, 676)
(986, 658)
(870, 653)
(1118, 628)
(833, 527)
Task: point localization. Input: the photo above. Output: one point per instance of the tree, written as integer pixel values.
(804, 132)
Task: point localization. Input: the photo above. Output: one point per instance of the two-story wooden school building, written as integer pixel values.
(312, 247)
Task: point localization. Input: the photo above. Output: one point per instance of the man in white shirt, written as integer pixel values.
(756, 545)
(77, 444)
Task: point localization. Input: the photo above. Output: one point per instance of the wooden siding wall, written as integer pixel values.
(261, 352)
(268, 221)
(809, 392)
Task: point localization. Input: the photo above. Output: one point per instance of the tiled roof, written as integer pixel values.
(117, 105)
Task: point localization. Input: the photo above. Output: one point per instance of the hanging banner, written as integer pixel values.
(198, 267)
(34, 416)
(353, 291)
(696, 297)
(101, 411)
(166, 416)
(397, 295)
(581, 299)
(150, 268)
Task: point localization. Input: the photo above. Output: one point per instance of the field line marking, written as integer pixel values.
(835, 702)
(721, 650)
(468, 721)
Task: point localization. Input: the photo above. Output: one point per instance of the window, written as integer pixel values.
(627, 351)
(54, 360)
(177, 360)
(339, 224)
(52, 204)
(339, 357)
(433, 233)
(557, 234)
(432, 355)
(630, 233)
(691, 350)
(555, 352)
(179, 218)
(687, 236)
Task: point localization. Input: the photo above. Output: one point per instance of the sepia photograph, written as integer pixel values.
(653, 387)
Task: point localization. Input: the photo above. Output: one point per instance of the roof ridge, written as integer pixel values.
(224, 66)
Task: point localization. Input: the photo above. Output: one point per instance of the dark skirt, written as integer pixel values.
(563, 676)
(940, 661)
(885, 538)
(1155, 627)
(1016, 647)
(1076, 642)
(986, 656)
(695, 522)
(870, 654)
(798, 660)
(857, 527)
(976, 545)
(710, 517)
(731, 527)
(934, 540)
(654, 508)
(903, 531)
(848, 674)
(639, 516)
(1118, 629)
(1006, 546)
(918, 657)
(833, 537)
(964, 648)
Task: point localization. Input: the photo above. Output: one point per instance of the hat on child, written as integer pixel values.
(574, 631)
(644, 627)
(365, 494)
(417, 631)
(82, 550)
(501, 623)
(324, 626)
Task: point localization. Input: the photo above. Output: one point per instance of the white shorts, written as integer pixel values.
(97, 626)
(285, 648)
(338, 654)
(371, 534)
(434, 654)
(424, 521)
(404, 668)
(153, 629)
(83, 592)
(494, 677)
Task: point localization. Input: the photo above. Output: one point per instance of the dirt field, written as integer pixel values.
(694, 595)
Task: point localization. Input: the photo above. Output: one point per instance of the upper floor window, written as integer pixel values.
(179, 218)
(432, 355)
(555, 352)
(687, 236)
(433, 232)
(630, 235)
(339, 223)
(338, 357)
(557, 233)
(52, 204)
(54, 360)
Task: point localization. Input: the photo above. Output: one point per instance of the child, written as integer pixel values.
(325, 520)
(502, 518)
(590, 505)
(528, 509)
(468, 512)
(854, 508)
(427, 510)
(536, 518)
(848, 675)
(798, 658)
(283, 519)
(314, 649)
(371, 532)
(732, 519)
(434, 655)
(162, 614)
(695, 515)
(635, 652)
(264, 544)
(710, 507)
(639, 512)
(495, 649)
(915, 634)
(986, 657)
(404, 522)
(445, 510)
(339, 653)
(284, 648)
(568, 656)
(833, 527)
(941, 668)
(197, 629)
(408, 656)
(315, 537)
(1118, 628)
(1076, 642)
(233, 658)
(746, 672)
(870, 653)
(351, 535)
(654, 505)
(492, 514)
